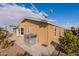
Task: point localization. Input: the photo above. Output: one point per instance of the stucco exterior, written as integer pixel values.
(45, 32)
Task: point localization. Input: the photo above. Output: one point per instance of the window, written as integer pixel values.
(14, 29)
(22, 31)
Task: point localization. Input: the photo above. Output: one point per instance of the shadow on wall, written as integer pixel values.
(40, 24)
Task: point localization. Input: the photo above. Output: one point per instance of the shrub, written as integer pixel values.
(69, 43)
(2, 34)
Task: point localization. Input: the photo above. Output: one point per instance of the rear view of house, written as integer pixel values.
(34, 32)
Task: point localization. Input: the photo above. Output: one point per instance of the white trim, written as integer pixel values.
(17, 32)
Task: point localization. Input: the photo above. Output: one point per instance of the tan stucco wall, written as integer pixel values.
(45, 32)
(54, 36)
(51, 31)
(38, 28)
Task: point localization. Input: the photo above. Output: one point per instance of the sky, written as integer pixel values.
(63, 14)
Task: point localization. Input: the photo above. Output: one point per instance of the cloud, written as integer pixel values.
(67, 25)
(11, 13)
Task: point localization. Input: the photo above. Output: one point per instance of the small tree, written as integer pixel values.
(68, 44)
(2, 34)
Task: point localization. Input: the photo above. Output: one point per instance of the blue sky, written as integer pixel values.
(63, 13)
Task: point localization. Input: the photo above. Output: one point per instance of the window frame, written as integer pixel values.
(21, 31)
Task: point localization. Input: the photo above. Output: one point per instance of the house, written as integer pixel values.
(37, 31)
(35, 28)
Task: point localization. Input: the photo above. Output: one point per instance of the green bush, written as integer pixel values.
(69, 43)
(2, 35)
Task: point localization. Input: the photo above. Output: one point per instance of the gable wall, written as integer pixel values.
(38, 28)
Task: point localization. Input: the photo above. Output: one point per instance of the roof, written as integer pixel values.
(35, 19)
(45, 20)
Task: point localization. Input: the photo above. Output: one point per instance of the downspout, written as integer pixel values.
(47, 34)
